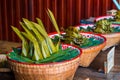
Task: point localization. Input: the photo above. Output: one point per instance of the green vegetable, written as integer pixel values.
(69, 55)
(52, 18)
(59, 55)
(37, 46)
(103, 26)
(73, 36)
(117, 16)
(25, 47)
(42, 46)
(20, 58)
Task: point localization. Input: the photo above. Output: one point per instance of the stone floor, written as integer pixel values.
(81, 74)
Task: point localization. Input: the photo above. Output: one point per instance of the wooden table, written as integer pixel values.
(81, 73)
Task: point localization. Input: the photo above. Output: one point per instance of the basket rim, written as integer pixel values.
(104, 42)
(51, 63)
(102, 17)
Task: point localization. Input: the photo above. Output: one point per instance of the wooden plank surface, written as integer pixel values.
(5, 46)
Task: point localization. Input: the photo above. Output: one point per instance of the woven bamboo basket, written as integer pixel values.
(50, 71)
(112, 39)
(88, 54)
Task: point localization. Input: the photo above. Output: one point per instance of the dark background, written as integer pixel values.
(67, 12)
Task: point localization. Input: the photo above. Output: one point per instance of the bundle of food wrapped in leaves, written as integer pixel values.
(114, 19)
(103, 26)
(73, 36)
(117, 16)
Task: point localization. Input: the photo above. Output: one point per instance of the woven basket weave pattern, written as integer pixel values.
(89, 54)
(112, 39)
(52, 71)
(45, 72)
